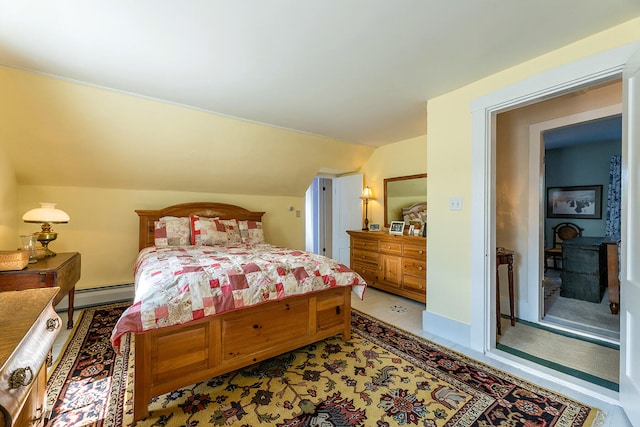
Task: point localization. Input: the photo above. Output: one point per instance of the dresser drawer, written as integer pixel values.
(369, 272)
(362, 256)
(412, 283)
(391, 248)
(243, 336)
(364, 244)
(414, 251)
(22, 368)
(414, 267)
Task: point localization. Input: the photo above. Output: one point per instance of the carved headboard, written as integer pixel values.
(205, 209)
(415, 209)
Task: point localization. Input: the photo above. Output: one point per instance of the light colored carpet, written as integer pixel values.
(593, 359)
(585, 316)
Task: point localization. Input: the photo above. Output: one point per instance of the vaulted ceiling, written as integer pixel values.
(359, 71)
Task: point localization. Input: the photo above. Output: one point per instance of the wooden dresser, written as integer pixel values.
(393, 263)
(62, 271)
(29, 327)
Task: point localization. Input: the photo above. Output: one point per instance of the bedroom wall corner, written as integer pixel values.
(406, 157)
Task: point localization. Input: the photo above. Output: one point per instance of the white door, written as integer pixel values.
(347, 214)
(630, 227)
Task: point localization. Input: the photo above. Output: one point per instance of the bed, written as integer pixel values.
(171, 356)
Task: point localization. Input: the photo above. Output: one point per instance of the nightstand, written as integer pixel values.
(62, 271)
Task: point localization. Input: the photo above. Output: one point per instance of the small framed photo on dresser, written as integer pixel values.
(396, 227)
(374, 227)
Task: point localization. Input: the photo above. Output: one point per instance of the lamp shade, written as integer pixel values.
(47, 212)
(366, 193)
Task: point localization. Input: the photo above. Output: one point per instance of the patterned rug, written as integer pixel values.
(382, 377)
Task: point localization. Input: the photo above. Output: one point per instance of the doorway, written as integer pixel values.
(520, 198)
(319, 206)
(582, 305)
(333, 206)
(604, 66)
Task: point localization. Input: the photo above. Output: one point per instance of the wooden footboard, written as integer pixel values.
(172, 358)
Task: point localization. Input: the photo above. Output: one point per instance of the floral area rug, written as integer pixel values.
(382, 377)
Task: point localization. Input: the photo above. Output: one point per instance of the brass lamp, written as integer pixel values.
(46, 214)
(366, 195)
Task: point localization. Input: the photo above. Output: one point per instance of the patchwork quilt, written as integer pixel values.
(178, 284)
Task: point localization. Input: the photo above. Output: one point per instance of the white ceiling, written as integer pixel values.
(595, 131)
(355, 70)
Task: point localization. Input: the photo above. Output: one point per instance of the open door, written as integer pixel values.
(630, 247)
(347, 214)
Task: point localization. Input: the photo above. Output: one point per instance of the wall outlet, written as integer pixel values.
(455, 203)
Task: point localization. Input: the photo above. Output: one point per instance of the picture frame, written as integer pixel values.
(583, 202)
(374, 227)
(396, 227)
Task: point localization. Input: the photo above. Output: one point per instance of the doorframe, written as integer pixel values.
(534, 310)
(561, 80)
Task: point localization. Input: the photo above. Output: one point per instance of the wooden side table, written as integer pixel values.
(62, 271)
(504, 256)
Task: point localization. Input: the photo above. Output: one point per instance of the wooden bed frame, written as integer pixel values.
(171, 358)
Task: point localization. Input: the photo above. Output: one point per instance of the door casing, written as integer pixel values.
(561, 80)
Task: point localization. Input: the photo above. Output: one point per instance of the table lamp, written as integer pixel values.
(46, 214)
(366, 195)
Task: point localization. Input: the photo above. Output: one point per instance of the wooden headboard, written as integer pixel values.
(416, 207)
(206, 209)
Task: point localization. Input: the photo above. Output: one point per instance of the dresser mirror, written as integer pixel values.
(405, 199)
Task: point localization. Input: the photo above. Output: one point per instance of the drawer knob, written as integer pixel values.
(256, 326)
(20, 377)
(53, 324)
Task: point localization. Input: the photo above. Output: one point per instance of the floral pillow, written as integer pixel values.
(172, 231)
(233, 231)
(207, 231)
(251, 231)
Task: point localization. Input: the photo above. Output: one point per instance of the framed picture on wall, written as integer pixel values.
(583, 202)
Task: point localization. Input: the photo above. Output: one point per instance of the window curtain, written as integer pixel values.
(612, 230)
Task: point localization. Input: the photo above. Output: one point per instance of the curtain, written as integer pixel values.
(612, 230)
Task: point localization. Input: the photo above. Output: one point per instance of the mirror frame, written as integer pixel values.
(398, 178)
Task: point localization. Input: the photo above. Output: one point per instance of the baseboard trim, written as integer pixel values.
(446, 328)
(98, 296)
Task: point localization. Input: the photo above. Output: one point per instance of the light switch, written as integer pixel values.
(455, 203)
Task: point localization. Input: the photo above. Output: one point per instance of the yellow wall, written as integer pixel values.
(104, 226)
(8, 198)
(408, 157)
(61, 133)
(449, 166)
(101, 154)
